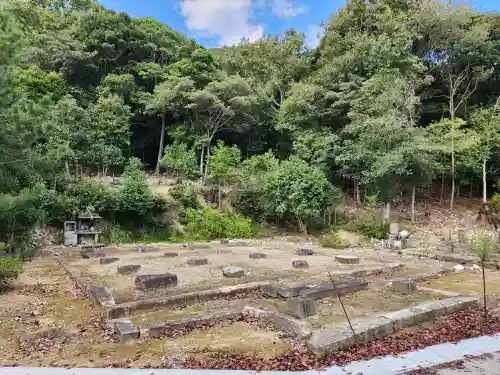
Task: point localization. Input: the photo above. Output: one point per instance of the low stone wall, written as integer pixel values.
(325, 341)
(98, 294)
(181, 300)
(173, 328)
(280, 322)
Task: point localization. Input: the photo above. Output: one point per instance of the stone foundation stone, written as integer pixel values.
(291, 291)
(270, 290)
(301, 307)
(197, 261)
(128, 269)
(300, 264)
(331, 290)
(148, 282)
(233, 272)
(305, 252)
(347, 259)
(108, 260)
(257, 256)
(404, 285)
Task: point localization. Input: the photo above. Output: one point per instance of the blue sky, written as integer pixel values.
(224, 22)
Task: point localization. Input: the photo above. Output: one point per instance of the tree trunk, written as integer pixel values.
(485, 193)
(413, 203)
(387, 211)
(202, 161)
(484, 293)
(302, 225)
(358, 195)
(452, 118)
(442, 190)
(219, 197)
(66, 167)
(160, 147)
(205, 175)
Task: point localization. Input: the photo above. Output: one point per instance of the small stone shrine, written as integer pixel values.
(397, 240)
(84, 231)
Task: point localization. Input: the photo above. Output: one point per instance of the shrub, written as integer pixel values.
(181, 160)
(495, 200)
(185, 194)
(301, 190)
(210, 223)
(333, 240)
(250, 201)
(136, 203)
(10, 268)
(370, 226)
(114, 234)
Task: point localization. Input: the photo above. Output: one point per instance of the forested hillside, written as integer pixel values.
(399, 94)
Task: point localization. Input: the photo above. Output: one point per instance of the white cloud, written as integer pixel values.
(313, 35)
(286, 9)
(227, 20)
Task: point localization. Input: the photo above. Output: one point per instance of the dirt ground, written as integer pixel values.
(46, 321)
(276, 267)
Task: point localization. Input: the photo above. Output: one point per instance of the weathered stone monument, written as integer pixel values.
(397, 240)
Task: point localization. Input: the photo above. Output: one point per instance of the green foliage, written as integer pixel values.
(114, 234)
(10, 268)
(222, 162)
(210, 223)
(301, 190)
(250, 201)
(484, 246)
(186, 194)
(495, 200)
(332, 239)
(180, 159)
(369, 225)
(136, 202)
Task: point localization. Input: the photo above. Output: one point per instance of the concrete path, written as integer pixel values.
(488, 364)
(406, 363)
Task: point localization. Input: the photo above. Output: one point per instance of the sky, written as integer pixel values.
(215, 23)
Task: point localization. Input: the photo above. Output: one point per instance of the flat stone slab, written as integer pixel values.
(148, 282)
(197, 261)
(291, 291)
(347, 259)
(108, 260)
(128, 269)
(93, 254)
(305, 252)
(331, 290)
(300, 264)
(257, 256)
(301, 307)
(233, 272)
(170, 254)
(196, 246)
